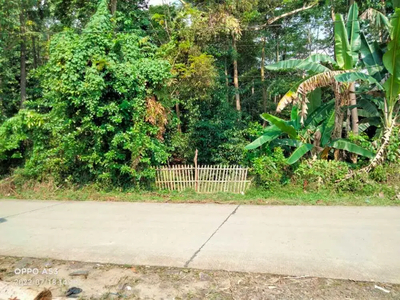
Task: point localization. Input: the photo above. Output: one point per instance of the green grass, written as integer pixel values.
(283, 195)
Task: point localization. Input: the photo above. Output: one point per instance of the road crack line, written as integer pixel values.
(202, 246)
(27, 212)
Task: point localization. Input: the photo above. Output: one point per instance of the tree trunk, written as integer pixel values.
(34, 53)
(339, 117)
(354, 116)
(277, 47)
(226, 80)
(348, 121)
(236, 74)
(264, 90)
(113, 7)
(23, 58)
(332, 11)
(178, 115)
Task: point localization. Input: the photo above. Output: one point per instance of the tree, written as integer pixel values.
(104, 97)
(347, 47)
(391, 87)
(315, 134)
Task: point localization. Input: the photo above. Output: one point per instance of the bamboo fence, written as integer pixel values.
(203, 179)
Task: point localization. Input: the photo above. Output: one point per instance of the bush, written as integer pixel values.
(103, 109)
(320, 172)
(393, 150)
(379, 174)
(270, 170)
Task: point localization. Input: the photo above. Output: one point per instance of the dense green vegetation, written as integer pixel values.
(304, 93)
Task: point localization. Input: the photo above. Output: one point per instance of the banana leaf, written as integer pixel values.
(372, 121)
(270, 133)
(299, 153)
(343, 144)
(367, 105)
(353, 76)
(391, 60)
(281, 124)
(342, 46)
(298, 64)
(321, 58)
(371, 55)
(319, 114)
(328, 129)
(315, 99)
(353, 31)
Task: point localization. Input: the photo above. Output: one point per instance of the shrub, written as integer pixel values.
(270, 170)
(103, 105)
(379, 174)
(320, 172)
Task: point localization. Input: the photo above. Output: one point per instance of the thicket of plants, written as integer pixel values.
(104, 91)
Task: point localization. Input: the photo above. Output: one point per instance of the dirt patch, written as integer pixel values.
(105, 281)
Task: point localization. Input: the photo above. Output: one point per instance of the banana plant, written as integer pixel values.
(314, 136)
(348, 44)
(391, 87)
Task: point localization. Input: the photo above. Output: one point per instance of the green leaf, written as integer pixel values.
(298, 64)
(320, 114)
(372, 121)
(285, 64)
(270, 133)
(353, 76)
(281, 124)
(321, 58)
(343, 144)
(391, 60)
(342, 45)
(312, 67)
(299, 153)
(287, 142)
(353, 31)
(367, 106)
(315, 100)
(328, 129)
(370, 53)
(295, 118)
(392, 88)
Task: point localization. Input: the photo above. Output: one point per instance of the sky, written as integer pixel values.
(156, 2)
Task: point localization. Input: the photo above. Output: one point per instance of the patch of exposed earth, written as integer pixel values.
(106, 281)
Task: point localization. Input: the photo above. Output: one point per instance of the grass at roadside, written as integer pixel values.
(286, 195)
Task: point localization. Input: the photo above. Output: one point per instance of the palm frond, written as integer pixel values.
(299, 94)
(378, 19)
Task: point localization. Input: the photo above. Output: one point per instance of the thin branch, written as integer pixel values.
(274, 19)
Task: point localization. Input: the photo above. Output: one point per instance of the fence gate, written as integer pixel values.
(203, 179)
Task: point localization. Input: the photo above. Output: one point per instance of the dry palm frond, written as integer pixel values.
(290, 97)
(307, 86)
(303, 108)
(378, 19)
(156, 114)
(317, 81)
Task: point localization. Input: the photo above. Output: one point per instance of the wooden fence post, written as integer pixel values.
(196, 172)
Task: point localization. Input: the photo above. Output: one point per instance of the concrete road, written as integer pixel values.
(359, 243)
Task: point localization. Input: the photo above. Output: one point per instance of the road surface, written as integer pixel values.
(358, 243)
